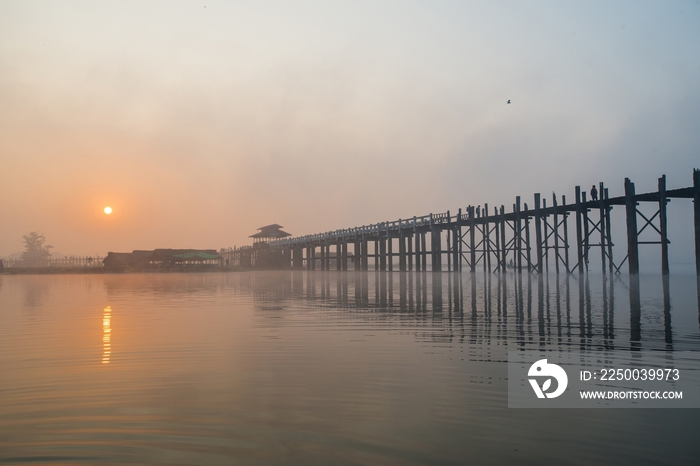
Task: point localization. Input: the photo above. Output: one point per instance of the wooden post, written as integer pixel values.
(579, 233)
(409, 251)
(418, 261)
(436, 246)
(586, 236)
(608, 228)
(497, 233)
(390, 252)
(538, 233)
(487, 239)
(663, 224)
(345, 254)
(424, 251)
(632, 241)
(528, 251)
(456, 243)
(323, 257)
(696, 211)
(472, 252)
(556, 233)
(449, 249)
(376, 255)
(382, 254)
(566, 237)
(504, 248)
(402, 250)
(364, 250)
(460, 242)
(518, 236)
(601, 203)
(545, 236)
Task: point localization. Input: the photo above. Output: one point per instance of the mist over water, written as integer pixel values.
(323, 368)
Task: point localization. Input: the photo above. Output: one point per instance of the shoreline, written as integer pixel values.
(116, 271)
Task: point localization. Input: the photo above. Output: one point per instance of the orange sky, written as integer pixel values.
(198, 125)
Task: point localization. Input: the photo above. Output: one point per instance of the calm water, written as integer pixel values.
(276, 368)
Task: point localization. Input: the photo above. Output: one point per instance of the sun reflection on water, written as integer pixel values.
(106, 335)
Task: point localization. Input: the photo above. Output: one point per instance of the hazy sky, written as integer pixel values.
(199, 122)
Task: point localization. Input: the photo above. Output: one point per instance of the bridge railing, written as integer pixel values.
(376, 229)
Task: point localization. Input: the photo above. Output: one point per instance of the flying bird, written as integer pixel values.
(508, 101)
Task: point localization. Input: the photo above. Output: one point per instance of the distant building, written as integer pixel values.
(269, 233)
(159, 258)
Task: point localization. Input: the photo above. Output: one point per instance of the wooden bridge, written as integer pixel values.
(526, 238)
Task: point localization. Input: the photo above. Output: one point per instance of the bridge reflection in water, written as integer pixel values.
(525, 310)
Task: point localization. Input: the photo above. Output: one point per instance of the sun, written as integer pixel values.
(108, 210)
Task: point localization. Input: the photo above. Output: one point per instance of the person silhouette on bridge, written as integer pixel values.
(594, 194)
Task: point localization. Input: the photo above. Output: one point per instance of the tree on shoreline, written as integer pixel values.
(34, 248)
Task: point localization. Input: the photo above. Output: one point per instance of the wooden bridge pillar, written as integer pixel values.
(504, 245)
(418, 261)
(382, 254)
(586, 234)
(323, 257)
(566, 237)
(409, 251)
(376, 255)
(696, 212)
(402, 251)
(518, 239)
(545, 236)
(436, 250)
(344, 254)
(608, 228)
(556, 232)
(528, 252)
(663, 225)
(456, 242)
(602, 224)
(486, 239)
(298, 258)
(538, 233)
(472, 240)
(424, 252)
(632, 241)
(365, 254)
(390, 253)
(579, 230)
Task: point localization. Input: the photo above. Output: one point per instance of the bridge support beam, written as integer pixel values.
(632, 241)
(663, 225)
(436, 250)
